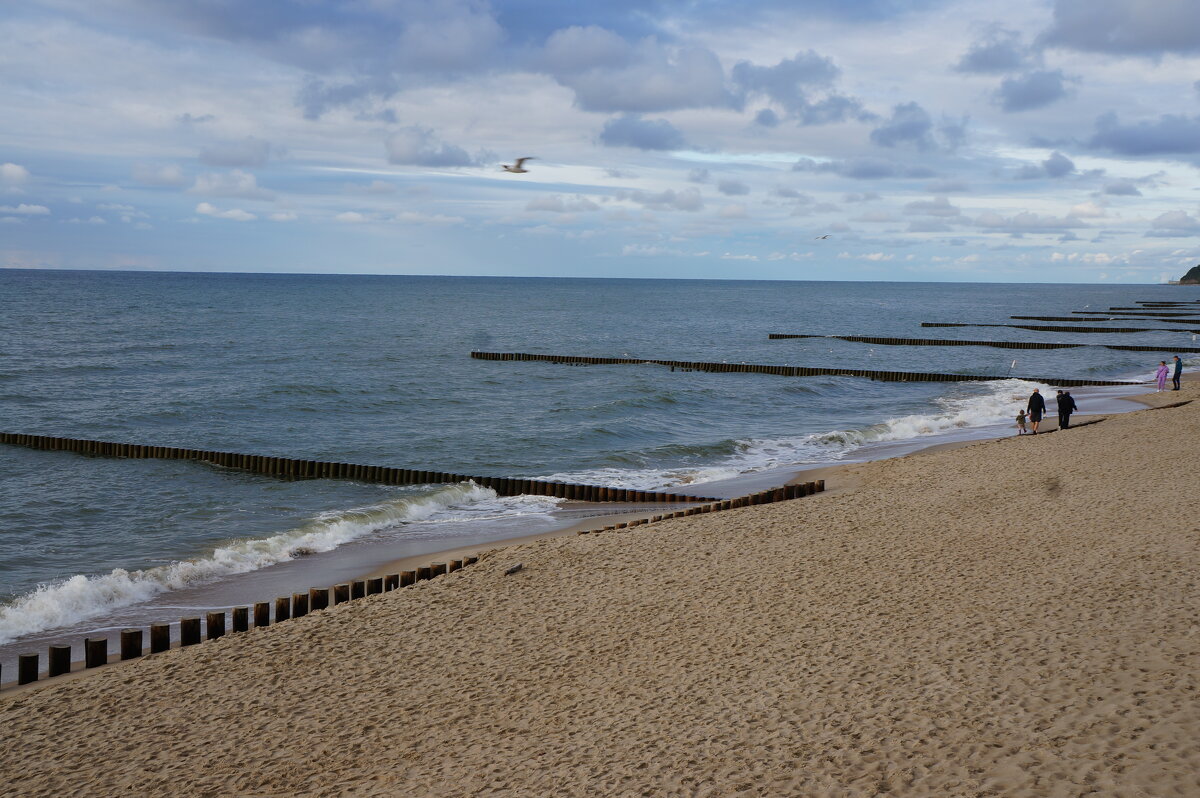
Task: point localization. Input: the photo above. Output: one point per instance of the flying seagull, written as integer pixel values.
(818, 238)
(518, 168)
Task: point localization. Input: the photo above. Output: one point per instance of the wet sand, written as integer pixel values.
(1013, 617)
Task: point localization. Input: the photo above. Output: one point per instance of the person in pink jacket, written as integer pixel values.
(1161, 375)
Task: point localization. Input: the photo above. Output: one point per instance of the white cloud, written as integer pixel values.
(25, 210)
(233, 214)
(283, 216)
(13, 174)
(556, 203)
(733, 212)
(350, 217)
(411, 217)
(237, 183)
(168, 175)
(91, 220)
(732, 256)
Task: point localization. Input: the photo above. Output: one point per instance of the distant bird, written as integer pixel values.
(518, 168)
(818, 238)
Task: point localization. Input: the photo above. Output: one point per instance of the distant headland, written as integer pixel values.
(1191, 278)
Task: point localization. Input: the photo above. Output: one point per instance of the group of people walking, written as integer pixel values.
(1036, 407)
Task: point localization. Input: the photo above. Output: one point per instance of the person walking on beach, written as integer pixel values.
(1036, 408)
(1066, 406)
(1161, 375)
(1021, 422)
(1178, 373)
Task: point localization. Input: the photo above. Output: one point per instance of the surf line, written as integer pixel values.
(787, 371)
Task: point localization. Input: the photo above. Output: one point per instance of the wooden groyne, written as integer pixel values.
(287, 468)
(1165, 315)
(787, 371)
(214, 626)
(1103, 317)
(872, 339)
(1047, 328)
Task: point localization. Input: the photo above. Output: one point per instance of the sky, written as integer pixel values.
(956, 140)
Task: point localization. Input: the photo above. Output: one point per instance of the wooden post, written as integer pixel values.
(318, 598)
(215, 622)
(189, 631)
(299, 605)
(283, 609)
(131, 643)
(469, 561)
(27, 668)
(341, 594)
(407, 578)
(374, 586)
(422, 573)
(262, 613)
(241, 619)
(59, 660)
(160, 637)
(453, 566)
(358, 589)
(391, 582)
(95, 651)
(437, 569)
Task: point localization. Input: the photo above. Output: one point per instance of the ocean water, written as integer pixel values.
(377, 370)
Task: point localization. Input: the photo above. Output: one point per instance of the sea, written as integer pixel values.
(377, 370)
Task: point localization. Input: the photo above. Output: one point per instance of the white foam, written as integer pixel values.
(81, 597)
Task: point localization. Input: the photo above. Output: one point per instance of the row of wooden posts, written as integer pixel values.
(787, 371)
(1048, 328)
(287, 468)
(771, 496)
(1094, 317)
(95, 649)
(884, 341)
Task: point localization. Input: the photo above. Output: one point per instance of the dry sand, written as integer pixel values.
(1011, 618)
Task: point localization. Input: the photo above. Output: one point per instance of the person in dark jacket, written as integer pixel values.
(1036, 408)
(1066, 406)
(1178, 373)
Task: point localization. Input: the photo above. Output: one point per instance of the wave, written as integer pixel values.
(82, 597)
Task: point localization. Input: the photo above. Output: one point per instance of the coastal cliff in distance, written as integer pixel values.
(1192, 277)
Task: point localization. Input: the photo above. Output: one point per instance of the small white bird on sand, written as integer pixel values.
(818, 238)
(518, 168)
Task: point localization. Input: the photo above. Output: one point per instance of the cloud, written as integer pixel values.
(630, 130)
(12, 174)
(910, 124)
(1122, 188)
(608, 74)
(1031, 90)
(25, 210)
(419, 146)
(862, 168)
(233, 214)
(232, 184)
(1026, 222)
(249, 152)
(168, 175)
(865, 196)
(733, 212)
(1131, 27)
(1171, 134)
(1174, 224)
(557, 203)
(999, 50)
(939, 206)
(1088, 210)
(788, 84)
(411, 217)
(1057, 165)
(766, 118)
(350, 217)
(947, 187)
(698, 176)
(732, 188)
(687, 200)
(283, 216)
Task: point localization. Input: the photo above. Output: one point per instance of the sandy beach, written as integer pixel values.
(1013, 617)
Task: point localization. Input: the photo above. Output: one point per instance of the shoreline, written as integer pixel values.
(1007, 617)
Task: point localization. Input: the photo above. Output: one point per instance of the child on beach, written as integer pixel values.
(1021, 422)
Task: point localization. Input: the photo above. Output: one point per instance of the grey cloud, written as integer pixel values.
(167, 175)
(732, 188)
(579, 48)
(928, 226)
(877, 217)
(939, 206)
(557, 203)
(863, 168)
(784, 192)
(232, 184)
(630, 130)
(189, 119)
(999, 50)
(866, 196)
(767, 118)
(1027, 222)
(910, 124)
(1031, 90)
(1132, 27)
(1171, 134)
(1122, 188)
(698, 176)
(1174, 224)
(687, 200)
(418, 146)
(1057, 165)
(947, 187)
(249, 152)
